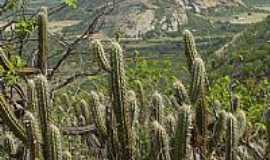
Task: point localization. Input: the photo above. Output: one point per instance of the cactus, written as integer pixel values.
(85, 111)
(240, 116)
(170, 125)
(9, 144)
(133, 108)
(156, 108)
(11, 121)
(67, 155)
(180, 92)
(160, 149)
(219, 127)
(4, 61)
(100, 55)
(183, 134)
(141, 101)
(198, 80)
(97, 111)
(44, 107)
(231, 138)
(56, 143)
(190, 49)
(31, 99)
(33, 136)
(119, 101)
(43, 41)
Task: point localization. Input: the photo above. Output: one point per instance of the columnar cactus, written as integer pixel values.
(11, 121)
(241, 118)
(31, 100)
(160, 149)
(97, 111)
(141, 101)
(56, 143)
(190, 49)
(67, 155)
(9, 144)
(44, 108)
(34, 140)
(132, 107)
(84, 107)
(198, 80)
(100, 55)
(43, 41)
(182, 148)
(231, 137)
(220, 127)
(156, 108)
(197, 93)
(181, 94)
(119, 101)
(4, 61)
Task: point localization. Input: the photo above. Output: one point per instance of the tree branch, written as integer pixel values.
(72, 79)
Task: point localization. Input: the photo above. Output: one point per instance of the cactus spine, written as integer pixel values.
(183, 134)
(231, 137)
(100, 54)
(190, 49)
(119, 101)
(43, 41)
(160, 149)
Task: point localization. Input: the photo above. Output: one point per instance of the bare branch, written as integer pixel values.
(73, 78)
(79, 130)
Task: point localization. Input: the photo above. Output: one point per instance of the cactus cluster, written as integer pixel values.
(122, 124)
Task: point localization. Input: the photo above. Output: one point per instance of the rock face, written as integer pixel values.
(138, 17)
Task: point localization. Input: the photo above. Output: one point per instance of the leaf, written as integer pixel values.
(71, 3)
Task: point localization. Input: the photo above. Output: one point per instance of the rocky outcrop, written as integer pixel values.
(138, 17)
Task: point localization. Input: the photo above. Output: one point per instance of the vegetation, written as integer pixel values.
(130, 106)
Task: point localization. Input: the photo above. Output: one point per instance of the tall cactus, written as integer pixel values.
(159, 142)
(119, 101)
(182, 148)
(231, 138)
(198, 80)
(43, 41)
(33, 136)
(44, 108)
(98, 50)
(190, 48)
